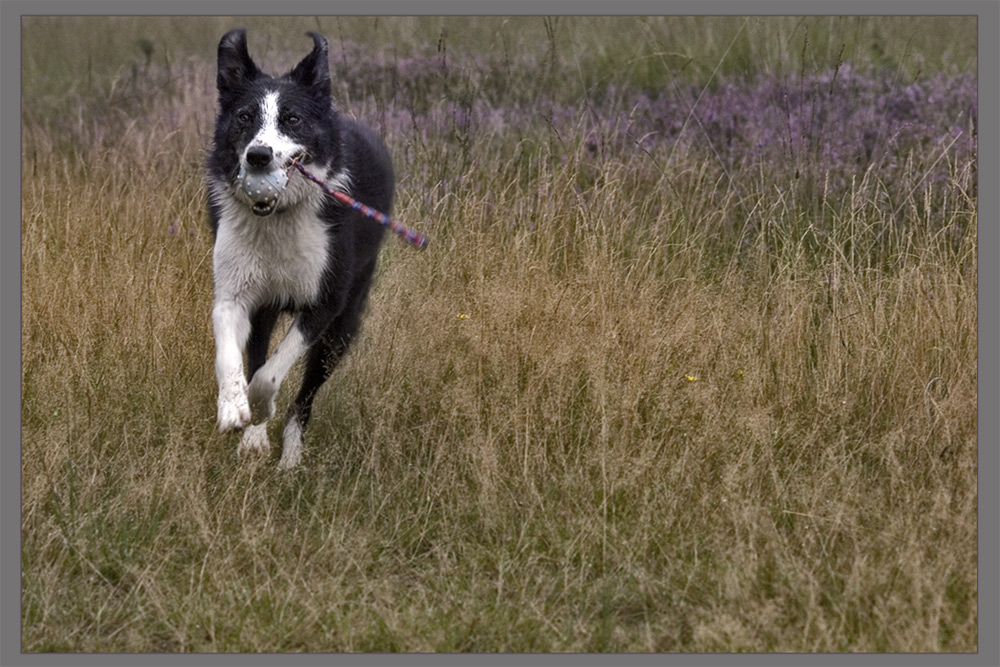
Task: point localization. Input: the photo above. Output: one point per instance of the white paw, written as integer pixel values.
(290, 459)
(291, 448)
(261, 396)
(254, 441)
(234, 410)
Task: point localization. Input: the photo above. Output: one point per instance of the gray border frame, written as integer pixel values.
(988, 13)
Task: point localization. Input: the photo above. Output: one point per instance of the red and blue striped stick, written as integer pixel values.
(411, 236)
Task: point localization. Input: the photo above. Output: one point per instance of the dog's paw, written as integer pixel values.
(291, 447)
(233, 416)
(234, 409)
(254, 441)
(261, 394)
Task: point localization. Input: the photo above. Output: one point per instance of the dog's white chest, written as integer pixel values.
(278, 259)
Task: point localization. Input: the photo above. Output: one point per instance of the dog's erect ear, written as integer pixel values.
(314, 70)
(235, 65)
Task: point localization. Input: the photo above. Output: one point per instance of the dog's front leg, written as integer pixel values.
(267, 380)
(232, 327)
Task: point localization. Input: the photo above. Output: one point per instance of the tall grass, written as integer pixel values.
(662, 381)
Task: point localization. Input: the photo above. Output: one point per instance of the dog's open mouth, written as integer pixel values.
(264, 208)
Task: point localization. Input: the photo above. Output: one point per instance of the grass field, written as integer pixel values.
(689, 364)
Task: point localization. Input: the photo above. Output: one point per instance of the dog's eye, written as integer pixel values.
(292, 119)
(243, 117)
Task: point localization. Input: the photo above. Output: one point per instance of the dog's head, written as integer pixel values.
(264, 122)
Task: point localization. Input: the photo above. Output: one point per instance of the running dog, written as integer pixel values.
(282, 245)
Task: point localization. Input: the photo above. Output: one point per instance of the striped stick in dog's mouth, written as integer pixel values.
(263, 188)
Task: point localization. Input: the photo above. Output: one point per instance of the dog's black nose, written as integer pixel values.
(259, 156)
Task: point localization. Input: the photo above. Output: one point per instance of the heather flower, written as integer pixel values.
(823, 133)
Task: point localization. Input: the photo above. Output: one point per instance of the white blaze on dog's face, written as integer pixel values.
(265, 163)
(270, 135)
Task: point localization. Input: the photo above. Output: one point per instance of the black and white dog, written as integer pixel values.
(281, 243)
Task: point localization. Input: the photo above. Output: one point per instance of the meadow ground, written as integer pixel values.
(689, 364)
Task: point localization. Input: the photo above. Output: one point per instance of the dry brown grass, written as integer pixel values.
(558, 431)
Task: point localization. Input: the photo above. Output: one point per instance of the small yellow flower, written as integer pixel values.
(463, 316)
(691, 378)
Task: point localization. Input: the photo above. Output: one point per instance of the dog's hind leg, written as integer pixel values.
(320, 362)
(322, 358)
(262, 322)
